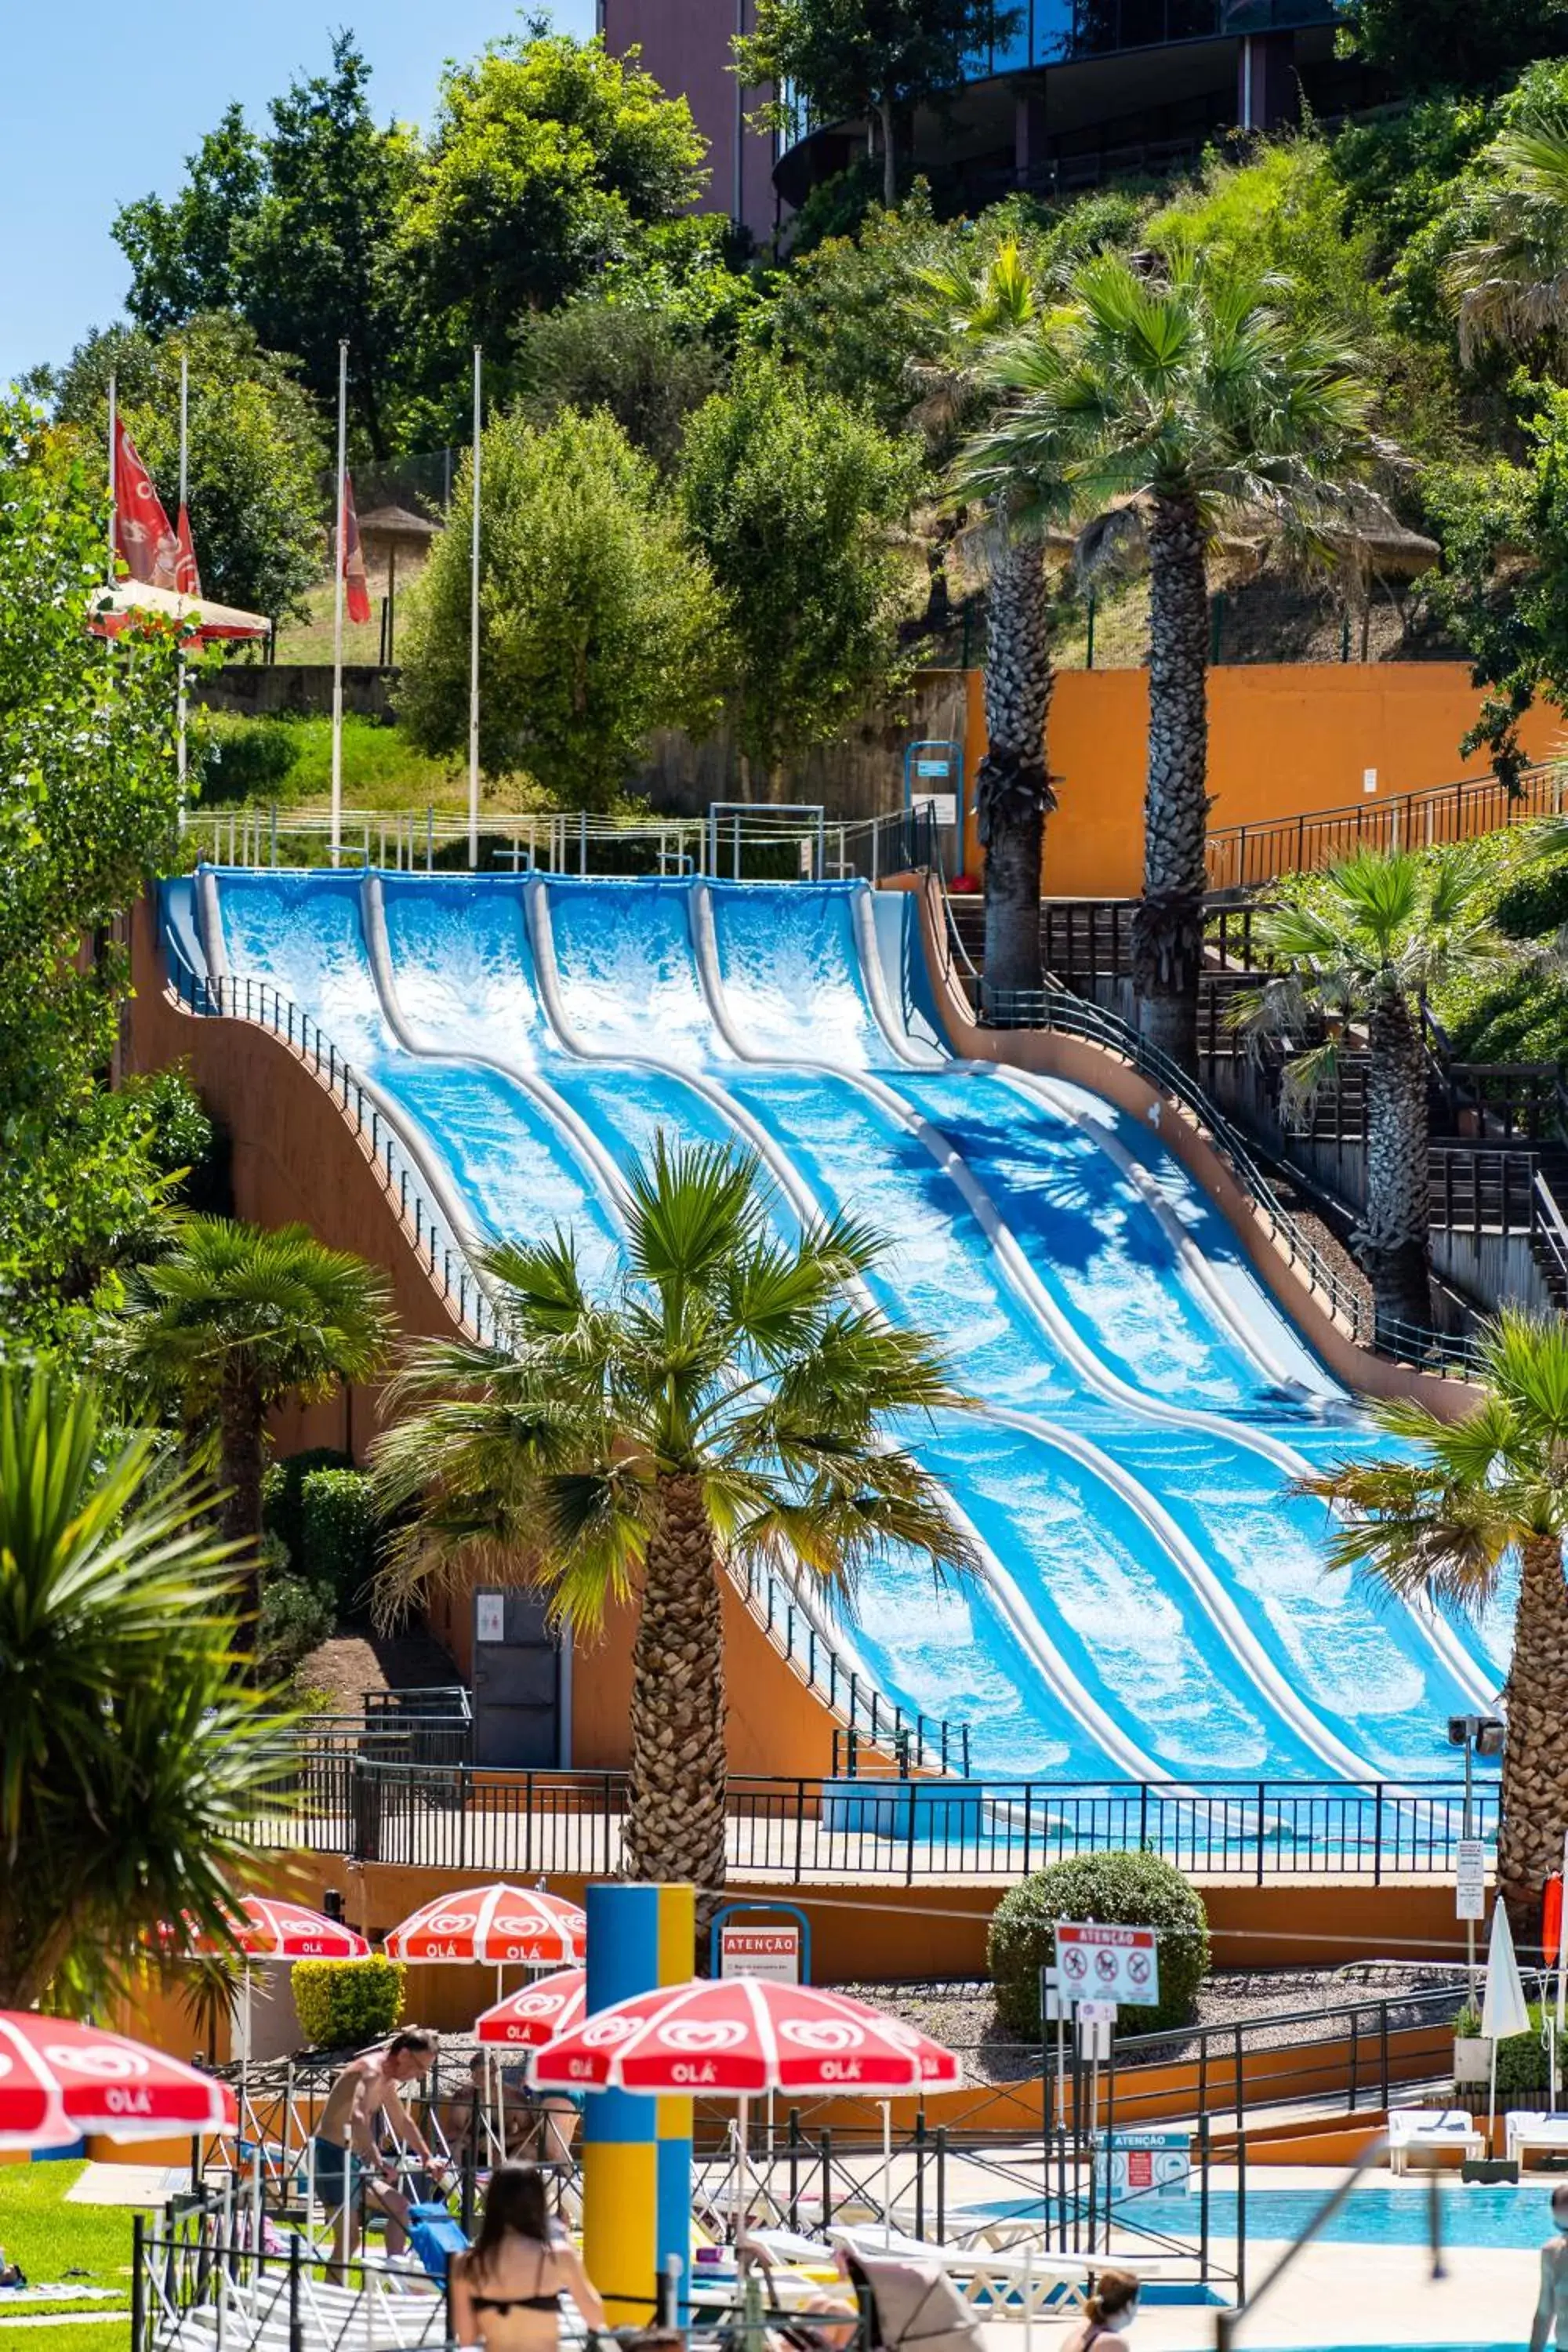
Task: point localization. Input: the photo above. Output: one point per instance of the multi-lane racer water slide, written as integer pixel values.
(1153, 1602)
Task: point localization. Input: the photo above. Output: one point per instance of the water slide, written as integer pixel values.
(1151, 1600)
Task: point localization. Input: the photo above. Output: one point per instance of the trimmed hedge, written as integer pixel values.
(342, 2004)
(1523, 2062)
(282, 1487)
(338, 1529)
(297, 1617)
(1119, 1890)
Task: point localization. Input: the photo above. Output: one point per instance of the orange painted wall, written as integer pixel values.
(1285, 739)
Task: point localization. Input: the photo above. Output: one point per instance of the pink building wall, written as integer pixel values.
(684, 46)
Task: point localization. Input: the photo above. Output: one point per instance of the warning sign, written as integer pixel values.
(1144, 2164)
(1119, 1964)
(771, 1952)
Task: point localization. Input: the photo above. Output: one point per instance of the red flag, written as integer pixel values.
(354, 578)
(1551, 1919)
(142, 535)
(187, 579)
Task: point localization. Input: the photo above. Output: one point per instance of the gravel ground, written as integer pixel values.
(963, 2015)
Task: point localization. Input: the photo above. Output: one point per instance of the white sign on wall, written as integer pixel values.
(943, 806)
(489, 1616)
(1108, 1963)
(770, 1952)
(1144, 2164)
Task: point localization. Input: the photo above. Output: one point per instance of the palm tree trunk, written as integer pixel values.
(890, 152)
(1392, 1241)
(1012, 789)
(240, 1462)
(1168, 924)
(676, 1803)
(1535, 1758)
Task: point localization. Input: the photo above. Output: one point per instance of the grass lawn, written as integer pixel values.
(49, 2238)
(73, 2336)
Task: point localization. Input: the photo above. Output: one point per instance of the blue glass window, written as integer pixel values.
(1051, 31)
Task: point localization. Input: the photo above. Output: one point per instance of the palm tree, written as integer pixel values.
(1439, 1528)
(1370, 940)
(727, 1397)
(132, 1762)
(979, 313)
(1509, 284)
(233, 1320)
(1176, 397)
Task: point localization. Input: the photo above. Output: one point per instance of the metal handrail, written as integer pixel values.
(1059, 1009)
(1242, 856)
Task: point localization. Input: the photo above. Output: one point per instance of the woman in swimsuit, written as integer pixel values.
(1112, 2306)
(506, 2293)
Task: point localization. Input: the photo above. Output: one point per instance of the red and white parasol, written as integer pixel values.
(115, 608)
(499, 1926)
(59, 2080)
(744, 2035)
(529, 2019)
(267, 1929)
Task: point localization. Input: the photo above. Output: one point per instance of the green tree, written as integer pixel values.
(231, 1321)
(877, 58)
(1190, 396)
(796, 501)
(728, 1399)
(597, 622)
(87, 806)
(629, 359)
(132, 1760)
(1439, 1521)
(256, 454)
(185, 255)
(546, 156)
(1367, 945)
(295, 229)
(1424, 44)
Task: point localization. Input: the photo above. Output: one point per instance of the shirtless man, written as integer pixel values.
(347, 2159)
(1550, 2323)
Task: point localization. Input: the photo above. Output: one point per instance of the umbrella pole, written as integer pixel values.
(887, 2172)
(1491, 2101)
(741, 2181)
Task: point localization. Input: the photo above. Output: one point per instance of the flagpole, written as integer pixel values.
(113, 481)
(338, 604)
(184, 428)
(474, 632)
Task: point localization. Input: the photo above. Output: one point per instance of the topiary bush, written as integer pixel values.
(338, 1529)
(1524, 2062)
(1118, 1890)
(342, 2004)
(281, 1513)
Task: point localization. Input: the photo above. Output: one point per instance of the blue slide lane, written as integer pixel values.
(1153, 1596)
(510, 1167)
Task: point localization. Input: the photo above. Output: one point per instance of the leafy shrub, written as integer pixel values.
(1537, 903)
(295, 1618)
(338, 1526)
(246, 759)
(282, 1488)
(1121, 1890)
(342, 2004)
(1523, 2062)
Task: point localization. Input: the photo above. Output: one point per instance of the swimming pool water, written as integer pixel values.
(1473, 2216)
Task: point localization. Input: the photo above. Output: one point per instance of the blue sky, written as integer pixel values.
(103, 100)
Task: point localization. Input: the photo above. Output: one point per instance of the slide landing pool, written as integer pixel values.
(1153, 1601)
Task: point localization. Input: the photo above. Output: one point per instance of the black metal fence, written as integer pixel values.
(330, 1798)
(1242, 856)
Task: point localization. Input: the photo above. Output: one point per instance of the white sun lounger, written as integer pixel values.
(1432, 2131)
(1006, 2284)
(1530, 2127)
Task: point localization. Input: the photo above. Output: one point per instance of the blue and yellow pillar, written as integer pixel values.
(637, 2150)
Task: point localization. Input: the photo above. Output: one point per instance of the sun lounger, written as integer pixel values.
(1432, 2132)
(1006, 2286)
(1532, 2128)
